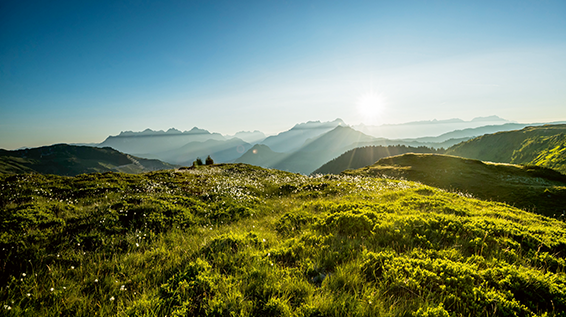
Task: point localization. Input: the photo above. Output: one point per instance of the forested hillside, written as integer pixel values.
(364, 156)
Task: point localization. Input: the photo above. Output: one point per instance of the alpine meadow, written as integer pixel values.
(233, 239)
(313, 158)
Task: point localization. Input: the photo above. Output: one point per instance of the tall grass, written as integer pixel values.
(236, 240)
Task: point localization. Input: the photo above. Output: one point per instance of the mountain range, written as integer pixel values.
(427, 128)
(294, 138)
(306, 147)
(313, 153)
(155, 142)
(327, 146)
(543, 146)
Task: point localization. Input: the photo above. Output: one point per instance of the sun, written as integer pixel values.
(370, 105)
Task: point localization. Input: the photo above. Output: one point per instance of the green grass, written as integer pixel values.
(532, 188)
(237, 240)
(541, 145)
(546, 151)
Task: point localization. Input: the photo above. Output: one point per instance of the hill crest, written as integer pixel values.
(529, 187)
(70, 160)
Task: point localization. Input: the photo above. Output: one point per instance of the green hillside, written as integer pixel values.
(533, 188)
(238, 240)
(364, 156)
(547, 151)
(70, 160)
(518, 147)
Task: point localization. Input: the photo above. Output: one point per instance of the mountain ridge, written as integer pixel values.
(506, 143)
(294, 138)
(71, 160)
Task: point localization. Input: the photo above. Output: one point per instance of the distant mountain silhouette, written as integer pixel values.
(541, 145)
(364, 156)
(479, 131)
(70, 160)
(319, 150)
(488, 119)
(303, 148)
(262, 155)
(220, 151)
(472, 132)
(419, 129)
(311, 155)
(294, 138)
(152, 142)
(251, 137)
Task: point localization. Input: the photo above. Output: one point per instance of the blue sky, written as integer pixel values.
(79, 71)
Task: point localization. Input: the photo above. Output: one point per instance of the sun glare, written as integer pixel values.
(370, 105)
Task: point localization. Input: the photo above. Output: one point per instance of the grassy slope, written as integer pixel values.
(547, 151)
(533, 188)
(501, 146)
(15, 165)
(70, 160)
(242, 240)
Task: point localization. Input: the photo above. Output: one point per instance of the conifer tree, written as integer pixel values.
(209, 160)
(197, 162)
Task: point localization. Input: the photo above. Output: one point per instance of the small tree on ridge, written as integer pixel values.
(209, 160)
